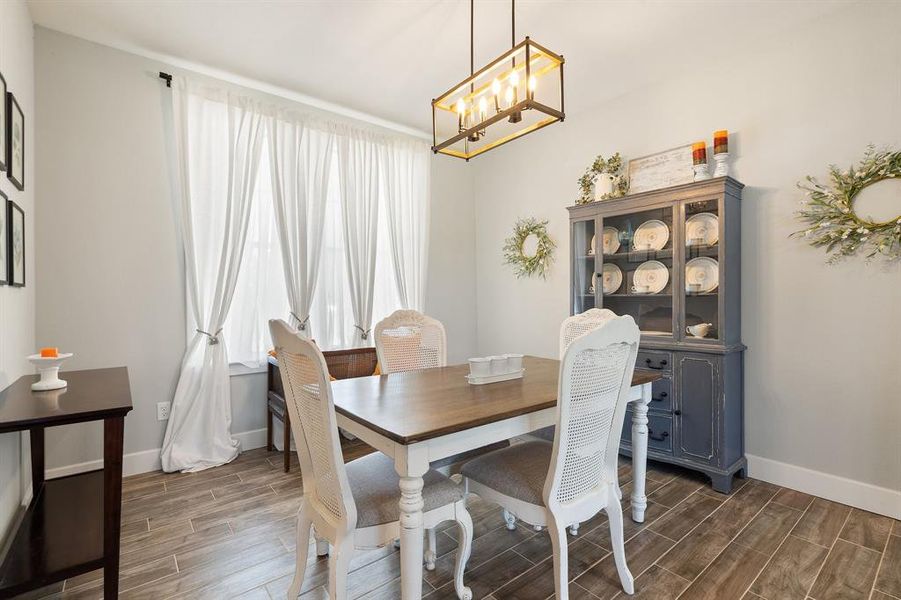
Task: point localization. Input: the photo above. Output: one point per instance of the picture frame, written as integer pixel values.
(15, 142)
(4, 239)
(15, 247)
(661, 170)
(3, 122)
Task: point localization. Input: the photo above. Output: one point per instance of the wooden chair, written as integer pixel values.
(575, 477)
(342, 364)
(354, 505)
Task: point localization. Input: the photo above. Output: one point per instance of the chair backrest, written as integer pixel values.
(595, 378)
(308, 399)
(582, 323)
(408, 340)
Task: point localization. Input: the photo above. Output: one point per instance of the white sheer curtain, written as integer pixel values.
(361, 164)
(407, 204)
(218, 142)
(301, 152)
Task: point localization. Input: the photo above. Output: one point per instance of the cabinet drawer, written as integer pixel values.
(659, 361)
(662, 395)
(660, 432)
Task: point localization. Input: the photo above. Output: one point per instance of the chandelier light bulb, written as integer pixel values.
(533, 83)
(483, 108)
(509, 96)
(461, 107)
(514, 79)
(496, 87)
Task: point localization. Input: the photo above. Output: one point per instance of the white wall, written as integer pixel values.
(109, 261)
(17, 304)
(822, 368)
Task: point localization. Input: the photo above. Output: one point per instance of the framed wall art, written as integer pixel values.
(3, 140)
(15, 142)
(15, 247)
(4, 239)
(661, 170)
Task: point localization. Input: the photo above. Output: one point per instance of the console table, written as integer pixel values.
(72, 524)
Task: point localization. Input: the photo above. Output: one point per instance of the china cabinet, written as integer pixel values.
(671, 258)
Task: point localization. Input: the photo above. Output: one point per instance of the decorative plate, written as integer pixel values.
(612, 277)
(591, 246)
(594, 283)
(610, 240)
(703, 272)
(652, 274)
(651, 235)
(704, 227)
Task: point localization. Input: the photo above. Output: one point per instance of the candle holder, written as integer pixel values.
(702, 172)
(722, 164)
(48, 367)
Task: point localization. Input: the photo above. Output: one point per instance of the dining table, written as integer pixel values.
(419, 417)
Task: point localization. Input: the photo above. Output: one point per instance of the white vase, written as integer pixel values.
(603, 186)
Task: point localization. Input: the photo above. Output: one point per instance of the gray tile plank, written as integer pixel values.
(889, 579)
(847, 574)
(729, 576)
(791, 571)
(867, 529)
(822, 522)
(767, 530)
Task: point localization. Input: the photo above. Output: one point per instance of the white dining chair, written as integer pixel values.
(573, 478)
(407, 340)
(354, 505)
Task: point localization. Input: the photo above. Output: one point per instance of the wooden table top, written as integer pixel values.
(91, 395)
(420, 405)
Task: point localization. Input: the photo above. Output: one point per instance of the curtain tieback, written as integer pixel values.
(364, 333)
(302, 323)
(214, 337)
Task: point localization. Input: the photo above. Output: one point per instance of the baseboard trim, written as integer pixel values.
(146, 461)
(858, 494)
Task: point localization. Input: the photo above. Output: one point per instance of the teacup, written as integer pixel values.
(514, 362)
(499, 364)
(700, 330)
(641, 289)
(480, 367)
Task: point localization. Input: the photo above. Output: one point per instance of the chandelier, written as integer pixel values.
(517, 93)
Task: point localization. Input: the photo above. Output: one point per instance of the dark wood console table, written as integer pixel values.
(72, 524)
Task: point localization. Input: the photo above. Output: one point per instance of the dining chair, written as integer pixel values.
(573, 478)
(354, 505)
(407, 340)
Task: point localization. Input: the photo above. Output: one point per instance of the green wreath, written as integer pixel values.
(525, 265)
(830, 216)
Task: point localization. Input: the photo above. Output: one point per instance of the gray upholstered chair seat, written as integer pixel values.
(545, 433)
(518, 471)
(375, 487)
(469, 454)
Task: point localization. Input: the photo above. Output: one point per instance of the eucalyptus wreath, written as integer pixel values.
(829, 214)
(538, 263)
(611, 166)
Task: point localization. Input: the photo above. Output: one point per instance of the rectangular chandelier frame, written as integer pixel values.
(538, 62)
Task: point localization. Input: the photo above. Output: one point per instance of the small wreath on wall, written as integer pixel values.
(830, 217)
(530, 249)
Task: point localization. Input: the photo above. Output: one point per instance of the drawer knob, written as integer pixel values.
(677, 412)
(661, 364)
(657, 438)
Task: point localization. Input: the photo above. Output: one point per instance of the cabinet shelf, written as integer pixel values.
(638, 296)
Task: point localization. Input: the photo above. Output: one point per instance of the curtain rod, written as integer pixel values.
(168, 79)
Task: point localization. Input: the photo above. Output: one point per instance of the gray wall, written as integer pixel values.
(110, 269)
(17, 304)
(822, 369)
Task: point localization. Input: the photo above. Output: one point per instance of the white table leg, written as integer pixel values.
(411, 530)
(640, 453)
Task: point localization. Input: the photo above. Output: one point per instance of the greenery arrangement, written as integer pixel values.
(831, 220)
(612, 166)
(527, 265)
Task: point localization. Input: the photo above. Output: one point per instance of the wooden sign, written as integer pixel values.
(664, 169)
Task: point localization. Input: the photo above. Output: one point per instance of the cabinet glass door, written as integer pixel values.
(702, 270)
(583, 276)
(637, 268)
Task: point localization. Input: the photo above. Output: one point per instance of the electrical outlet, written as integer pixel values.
(162, 410)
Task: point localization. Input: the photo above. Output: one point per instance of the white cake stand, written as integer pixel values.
(49, 370)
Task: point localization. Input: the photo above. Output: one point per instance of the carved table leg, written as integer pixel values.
(411, 529)
(640, 453)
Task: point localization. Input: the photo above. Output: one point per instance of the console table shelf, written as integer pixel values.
(72, 524)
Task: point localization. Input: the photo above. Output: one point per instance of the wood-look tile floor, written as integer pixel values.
(229, 533)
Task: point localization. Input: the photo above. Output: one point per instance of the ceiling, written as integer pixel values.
(389, 58)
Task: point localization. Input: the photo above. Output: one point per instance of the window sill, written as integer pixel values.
(238, 369)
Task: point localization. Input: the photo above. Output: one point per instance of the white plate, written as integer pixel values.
(703, 226)
(653, 274)
(591, 246)
(651, 235)
(703, 271)
(594, 283)
(612, 277)
(610, 239)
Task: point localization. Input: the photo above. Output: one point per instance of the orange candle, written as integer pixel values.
(721, 142)
(699, 153)
(49, 352)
